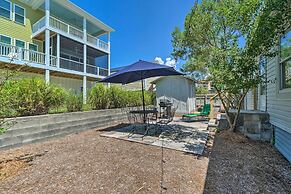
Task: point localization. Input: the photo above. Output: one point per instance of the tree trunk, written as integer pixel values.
(232, 128)
(224, 106)
(232, 124)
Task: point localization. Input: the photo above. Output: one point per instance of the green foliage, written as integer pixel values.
(118, 98)
(98, 97)
(30, 97)
(224, 39)
(74, 102)
(86, 107)
(201, 90)
(2, 130)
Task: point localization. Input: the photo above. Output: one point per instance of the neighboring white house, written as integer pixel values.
(179, 90)
(274, 96)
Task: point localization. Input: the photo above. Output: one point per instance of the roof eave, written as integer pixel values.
(35, 4)
(86, 15)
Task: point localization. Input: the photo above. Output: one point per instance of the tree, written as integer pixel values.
(224, 38)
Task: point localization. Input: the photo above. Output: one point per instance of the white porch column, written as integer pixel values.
(58, 50)
(109, 53)
(85, 60)
(108, 65)
(47, 13)
(47, 55)
(47, 40)
(84, 89)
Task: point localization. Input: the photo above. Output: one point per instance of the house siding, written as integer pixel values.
(19, 31)
(279, 108)
(278, 104)
(283, 142)
(179, 90)
(249, 101)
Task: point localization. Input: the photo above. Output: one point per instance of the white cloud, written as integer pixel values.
(170, 62)
(159, 60)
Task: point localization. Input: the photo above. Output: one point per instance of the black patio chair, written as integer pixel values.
(164, 121)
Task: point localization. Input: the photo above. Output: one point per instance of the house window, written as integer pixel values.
(19, 14)
(5, 39)
(285, 60)
(5, 9)
(19, 43)
(33, 47)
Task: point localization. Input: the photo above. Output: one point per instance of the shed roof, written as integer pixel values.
(185, 77)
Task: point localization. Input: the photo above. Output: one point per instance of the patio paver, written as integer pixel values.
(181, 136)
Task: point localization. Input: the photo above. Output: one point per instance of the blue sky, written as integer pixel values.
(143, 27)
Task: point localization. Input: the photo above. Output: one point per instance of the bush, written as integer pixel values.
(74, 102)
(7, 99)
(31, 97)
(118, 98)
(98, 97)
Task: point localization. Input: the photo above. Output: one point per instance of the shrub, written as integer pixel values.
(7, 100)
(98, 97)
(118, 97)
(74, 102)
(31, 97)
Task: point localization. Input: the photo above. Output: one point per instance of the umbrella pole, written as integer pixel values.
(143, 103)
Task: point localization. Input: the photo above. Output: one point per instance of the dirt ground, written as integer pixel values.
(239, 165)
(88, 163)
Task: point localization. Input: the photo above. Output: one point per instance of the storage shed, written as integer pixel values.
(180, 90)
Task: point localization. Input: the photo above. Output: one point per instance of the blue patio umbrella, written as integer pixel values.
(140, 71)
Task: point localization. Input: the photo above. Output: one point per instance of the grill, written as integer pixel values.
(165, 108)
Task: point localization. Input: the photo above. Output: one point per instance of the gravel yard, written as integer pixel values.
(89, 163)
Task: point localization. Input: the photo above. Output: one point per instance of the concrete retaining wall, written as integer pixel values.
(25, 130)
(253, 124)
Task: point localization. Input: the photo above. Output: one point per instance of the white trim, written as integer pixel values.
(79, 11)
(14, 13)
(10, 3)
(32, 44)
(16, 39)
(11, 39)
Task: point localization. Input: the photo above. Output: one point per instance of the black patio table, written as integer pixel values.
(145, 112)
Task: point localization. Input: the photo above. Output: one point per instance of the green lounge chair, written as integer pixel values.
(204, 113)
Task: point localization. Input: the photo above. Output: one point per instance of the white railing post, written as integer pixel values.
(109, 54)
(85, 61)
(58, 50)
(20, 52)
(47, 40)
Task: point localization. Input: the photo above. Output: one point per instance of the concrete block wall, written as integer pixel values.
(253, 124)
(24, 130)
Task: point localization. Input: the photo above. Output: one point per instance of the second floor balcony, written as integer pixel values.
(69, 31)
(30, 57)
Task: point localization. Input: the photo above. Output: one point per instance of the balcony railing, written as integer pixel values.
(30, 56)
(26, 55)
(92, 69)
(71, 65)
(38, 25)
(70, 30)
(97, 42)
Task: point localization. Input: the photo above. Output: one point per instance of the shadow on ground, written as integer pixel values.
(178, 135)
(239, 165)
